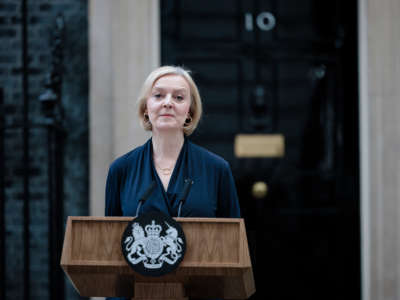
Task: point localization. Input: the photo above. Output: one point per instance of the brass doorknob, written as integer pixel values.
(259, 189)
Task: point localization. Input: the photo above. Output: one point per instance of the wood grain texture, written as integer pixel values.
(211, 244)
(97, 241)
(216, 263)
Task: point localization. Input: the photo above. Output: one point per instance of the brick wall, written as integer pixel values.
(41, 22)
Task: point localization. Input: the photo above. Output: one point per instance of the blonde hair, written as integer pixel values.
(195, 109)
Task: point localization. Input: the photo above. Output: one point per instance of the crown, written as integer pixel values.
(153, 229)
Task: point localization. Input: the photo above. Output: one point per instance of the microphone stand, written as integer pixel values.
(146, 195)
(186, 188)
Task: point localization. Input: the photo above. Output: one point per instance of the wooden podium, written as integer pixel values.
(216, 264)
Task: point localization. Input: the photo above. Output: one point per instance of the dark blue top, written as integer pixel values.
(213, 193)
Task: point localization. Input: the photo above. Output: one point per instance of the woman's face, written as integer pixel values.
(169, 103)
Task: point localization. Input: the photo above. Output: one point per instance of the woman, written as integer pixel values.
(170, 107)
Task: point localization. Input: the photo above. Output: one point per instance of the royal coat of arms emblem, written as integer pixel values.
(153, 244)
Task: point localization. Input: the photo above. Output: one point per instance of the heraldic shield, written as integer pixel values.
(153, 244)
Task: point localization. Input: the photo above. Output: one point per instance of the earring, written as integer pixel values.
(188, 121)
(146, 117)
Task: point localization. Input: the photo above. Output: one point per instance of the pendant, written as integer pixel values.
(166, 171)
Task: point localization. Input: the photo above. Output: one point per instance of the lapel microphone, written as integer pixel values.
(186, 188)
(145, 195)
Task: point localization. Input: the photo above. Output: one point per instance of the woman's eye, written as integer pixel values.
(157, 95)
(179, 98)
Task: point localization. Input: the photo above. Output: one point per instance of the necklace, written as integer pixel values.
(164, 171)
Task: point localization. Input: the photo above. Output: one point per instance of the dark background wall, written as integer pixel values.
(26, 58)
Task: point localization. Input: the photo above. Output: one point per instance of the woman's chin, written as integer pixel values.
(168, 128)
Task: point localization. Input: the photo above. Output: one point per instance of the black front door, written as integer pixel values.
(287, 69)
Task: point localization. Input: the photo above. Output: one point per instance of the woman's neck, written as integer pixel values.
(166, 147)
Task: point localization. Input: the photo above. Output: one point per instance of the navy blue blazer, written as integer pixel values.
(213, 193)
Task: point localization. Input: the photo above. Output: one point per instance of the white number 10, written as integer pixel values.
(265, 21)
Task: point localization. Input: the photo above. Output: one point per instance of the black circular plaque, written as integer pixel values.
(153, 244)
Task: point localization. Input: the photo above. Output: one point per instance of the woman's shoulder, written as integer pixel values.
(123, 161)
(211, 158)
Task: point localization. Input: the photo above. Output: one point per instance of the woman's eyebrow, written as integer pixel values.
(181, 90)
(159, 88)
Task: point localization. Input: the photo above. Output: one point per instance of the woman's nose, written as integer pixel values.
(167, 101)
